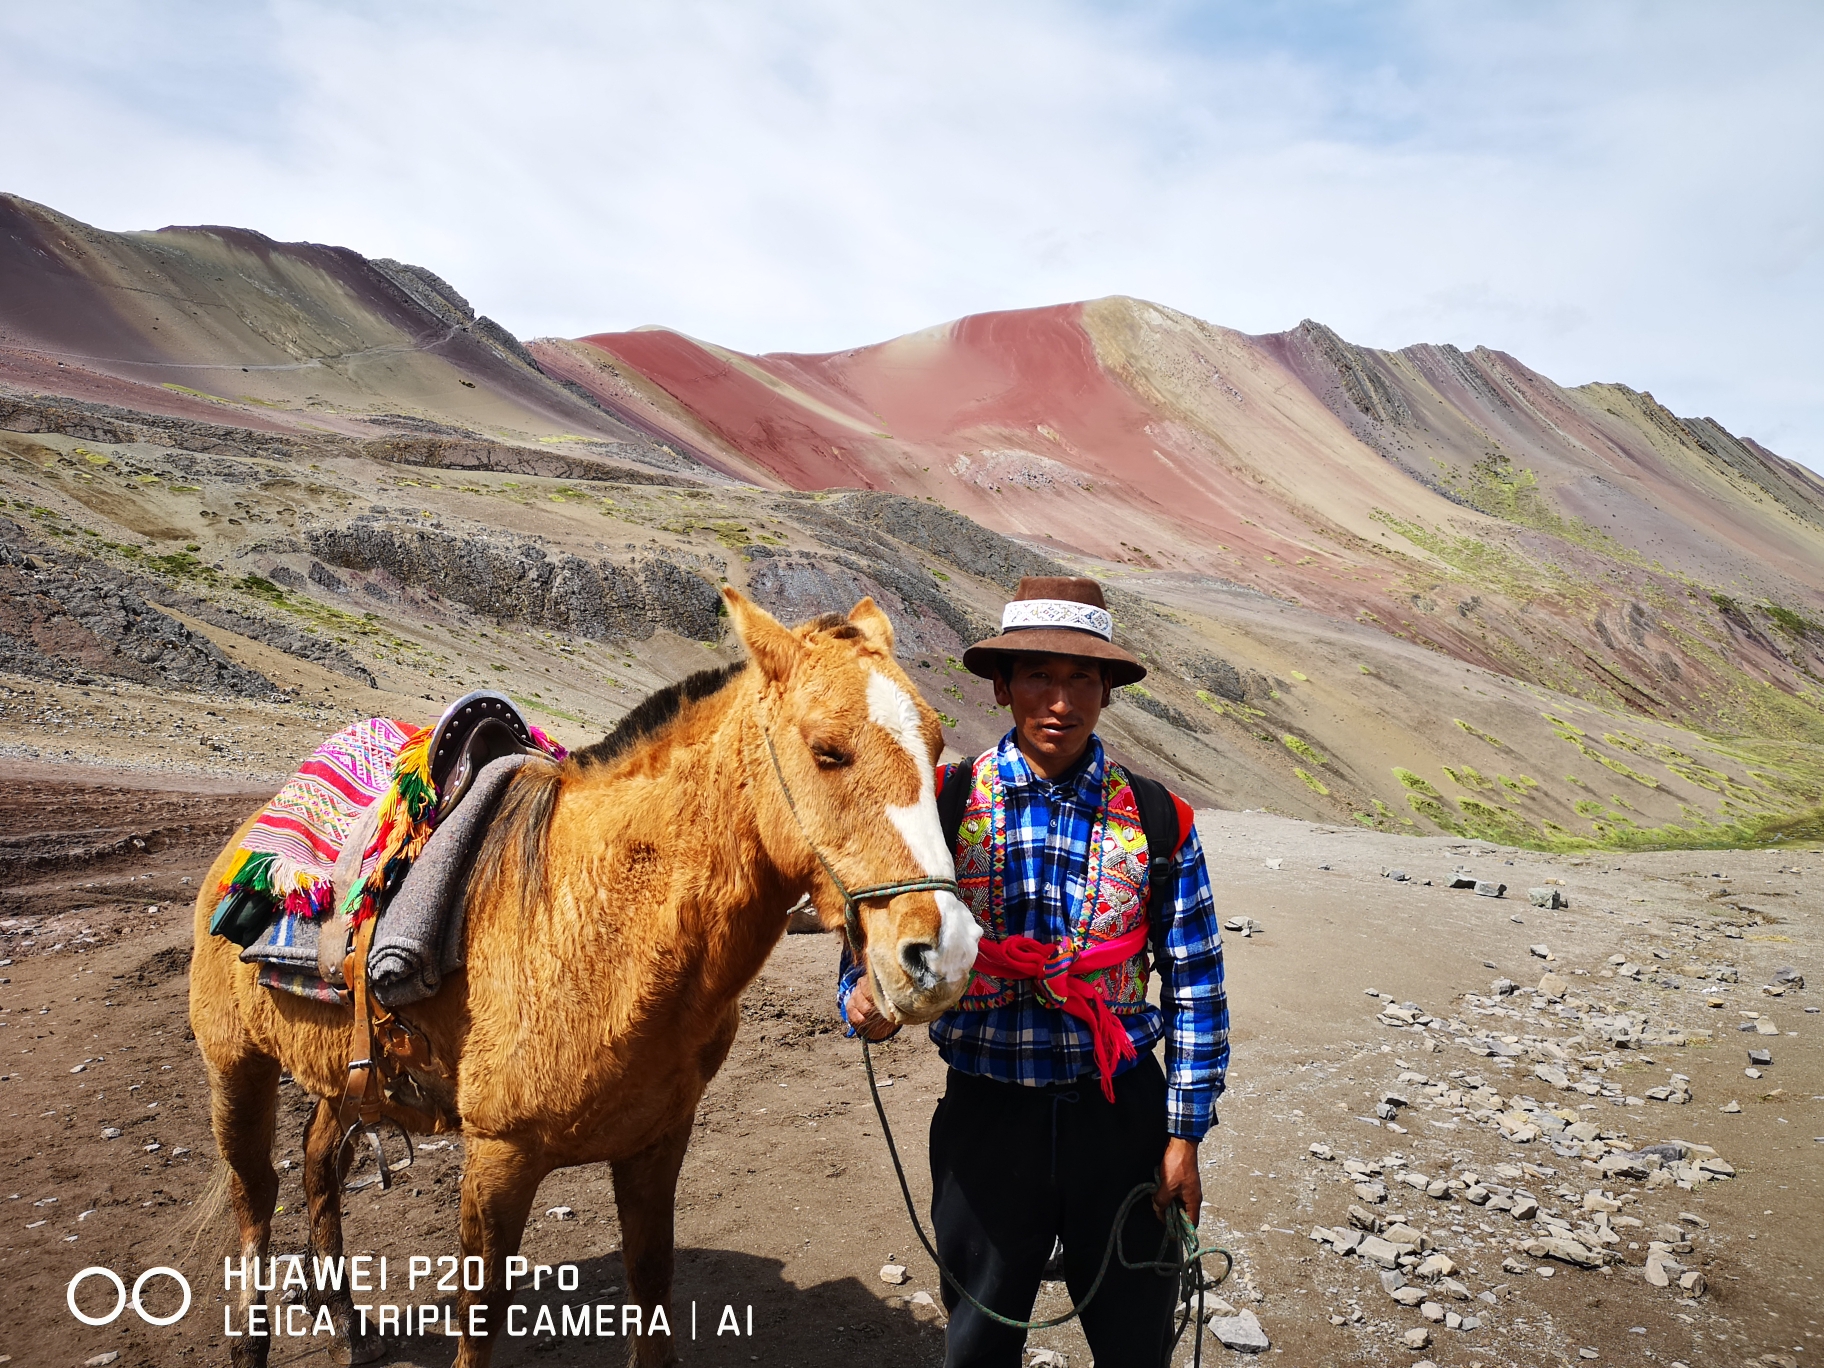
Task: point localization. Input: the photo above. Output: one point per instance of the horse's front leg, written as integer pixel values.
(499, 1180)
(645, 1192)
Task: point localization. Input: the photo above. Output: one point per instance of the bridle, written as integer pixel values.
(851, 898)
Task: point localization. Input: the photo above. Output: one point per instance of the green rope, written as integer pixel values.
(1187, 1267)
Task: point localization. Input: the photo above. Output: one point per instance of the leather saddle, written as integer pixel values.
(476, 728)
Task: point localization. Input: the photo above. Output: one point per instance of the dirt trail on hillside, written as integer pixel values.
(787, 1204)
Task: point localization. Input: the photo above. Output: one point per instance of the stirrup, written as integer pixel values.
(384, 1170)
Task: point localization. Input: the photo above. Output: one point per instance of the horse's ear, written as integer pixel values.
(774, 648)
(875, 625)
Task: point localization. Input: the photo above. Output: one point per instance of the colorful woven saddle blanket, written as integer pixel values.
(342, 836)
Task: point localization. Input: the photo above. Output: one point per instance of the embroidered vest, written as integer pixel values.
(1114, 884)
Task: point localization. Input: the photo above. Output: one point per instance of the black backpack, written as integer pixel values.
(1164, 818)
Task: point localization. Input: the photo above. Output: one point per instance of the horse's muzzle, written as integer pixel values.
(924, 971)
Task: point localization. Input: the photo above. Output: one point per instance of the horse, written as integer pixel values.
(620, 902)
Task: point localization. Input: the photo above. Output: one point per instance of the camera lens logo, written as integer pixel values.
(122, 1301)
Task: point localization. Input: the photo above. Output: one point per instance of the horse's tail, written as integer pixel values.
(210, 1206)
(518, 830)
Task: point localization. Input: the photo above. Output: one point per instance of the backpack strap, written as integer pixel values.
(1166, 819)
(953, 785)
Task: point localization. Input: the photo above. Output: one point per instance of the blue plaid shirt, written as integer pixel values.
(1048, 826)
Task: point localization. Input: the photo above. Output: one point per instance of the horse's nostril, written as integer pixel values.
(918, 958)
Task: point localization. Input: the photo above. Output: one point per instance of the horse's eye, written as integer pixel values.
(829, 755)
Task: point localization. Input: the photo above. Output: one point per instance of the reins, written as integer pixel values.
(1187, 1267)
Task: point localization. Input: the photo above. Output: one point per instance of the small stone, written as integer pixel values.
(1409, 1296)
(1552, 986)
(1392, 1280)
(1471, 1323)
(1452, 1321)
(561, 1213)
(1539, 951)
(1588, 1354)
(1398, 875)
(1656, 1274)
(1416, 1338)
(923, 1299)
(1513, 1265)
(110, 1133)
(1046, 1358)
(1432, 1312)
(1525, 1208)
(1435, 1266)
(78, 1069)
(1219, 1306)
(1365, 1220)
(101, 1360)
(1240, 1332)
(1487, 888)
(894, 1274)
(1371, 1192)
(1503, 987)
(1731, 1107)
(1377, 1250)
(1546, 897)
(1693, 1283)
(1762, 1057)
(1752, 1073)
(1762, 1027)
(1322, 1152)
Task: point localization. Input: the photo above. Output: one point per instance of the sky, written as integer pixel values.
(1617, 191)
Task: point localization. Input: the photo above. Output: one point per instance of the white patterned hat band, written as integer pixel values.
(1081, 617)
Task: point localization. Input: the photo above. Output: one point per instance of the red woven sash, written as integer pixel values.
(1060, 972)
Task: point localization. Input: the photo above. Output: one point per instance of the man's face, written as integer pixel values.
(1056, 701)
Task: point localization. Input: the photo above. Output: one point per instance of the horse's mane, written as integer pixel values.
(524, 815)
(651, 714)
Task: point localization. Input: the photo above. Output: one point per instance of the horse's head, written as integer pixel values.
(856, 748)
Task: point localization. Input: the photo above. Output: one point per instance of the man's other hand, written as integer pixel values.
(863, 1015)
(1179, 1180)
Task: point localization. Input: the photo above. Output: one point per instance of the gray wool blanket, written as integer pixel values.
(419, 939)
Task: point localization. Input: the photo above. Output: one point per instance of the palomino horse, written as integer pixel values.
(621, 902)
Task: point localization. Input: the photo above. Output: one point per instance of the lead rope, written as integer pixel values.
(1187, 1267)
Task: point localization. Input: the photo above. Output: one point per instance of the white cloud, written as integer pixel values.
(1611, 191)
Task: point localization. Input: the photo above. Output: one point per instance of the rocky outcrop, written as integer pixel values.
(949, 536)
(513, 581)
(283, 636)
(67, 617)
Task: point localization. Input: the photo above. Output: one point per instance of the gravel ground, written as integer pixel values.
(787, 1204)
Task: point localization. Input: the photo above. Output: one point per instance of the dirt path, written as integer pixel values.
(787, 1205)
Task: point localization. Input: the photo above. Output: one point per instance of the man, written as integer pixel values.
(1055, 1106)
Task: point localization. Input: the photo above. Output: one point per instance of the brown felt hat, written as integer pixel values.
(1054, 615)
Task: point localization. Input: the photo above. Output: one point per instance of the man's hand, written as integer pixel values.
(1179, 1180)
(864, 1016)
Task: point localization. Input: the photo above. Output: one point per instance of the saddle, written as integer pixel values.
(384, 1050)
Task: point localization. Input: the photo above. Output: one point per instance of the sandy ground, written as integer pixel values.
(787, 1204)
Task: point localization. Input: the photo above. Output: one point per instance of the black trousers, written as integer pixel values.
(1014, 1168)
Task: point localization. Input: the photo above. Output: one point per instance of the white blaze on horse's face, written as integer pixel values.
(936, 979)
